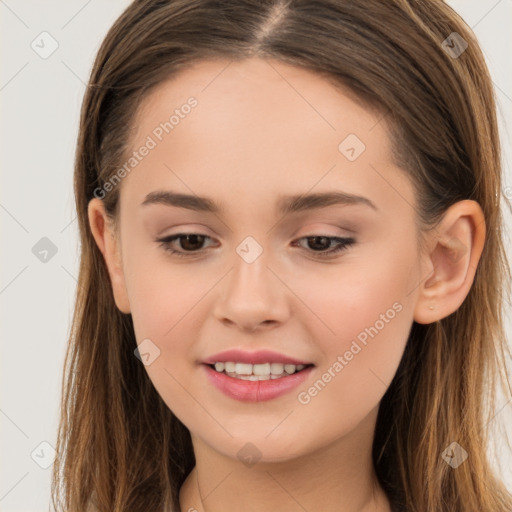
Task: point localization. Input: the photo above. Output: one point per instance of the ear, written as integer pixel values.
(455, 247)
(103, 232)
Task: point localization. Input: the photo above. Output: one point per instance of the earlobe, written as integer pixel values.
(107, 243)
(455, 249)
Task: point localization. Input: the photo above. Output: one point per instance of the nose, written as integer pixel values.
(252, 296)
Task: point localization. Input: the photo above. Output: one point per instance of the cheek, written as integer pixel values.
(162, 293)
(157, 305)
(366, 316)
(351, 299)
(165, 306)
(166, 302)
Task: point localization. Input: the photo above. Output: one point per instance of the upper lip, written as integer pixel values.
(257, 357)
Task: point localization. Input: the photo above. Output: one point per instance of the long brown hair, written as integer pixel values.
(119, 446)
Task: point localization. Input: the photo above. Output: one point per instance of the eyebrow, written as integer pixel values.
(286, 204)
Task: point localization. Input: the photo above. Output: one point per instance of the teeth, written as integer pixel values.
(261, 369)
(229, 367)
(289, 368)
(276, 368)
(264, 371)
(243, 368)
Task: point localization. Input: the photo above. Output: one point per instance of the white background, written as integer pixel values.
(40, 102)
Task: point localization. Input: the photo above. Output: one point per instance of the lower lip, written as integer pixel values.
(258, 390)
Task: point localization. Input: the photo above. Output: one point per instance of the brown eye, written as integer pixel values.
(189, 242)
(320, 244)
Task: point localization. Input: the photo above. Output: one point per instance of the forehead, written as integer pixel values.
(258, 127)
(264, 91)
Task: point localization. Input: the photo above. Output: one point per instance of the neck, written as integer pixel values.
(339, 476)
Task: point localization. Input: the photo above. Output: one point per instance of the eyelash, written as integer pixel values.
(343, 243)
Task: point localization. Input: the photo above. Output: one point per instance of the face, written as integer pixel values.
(255, 275)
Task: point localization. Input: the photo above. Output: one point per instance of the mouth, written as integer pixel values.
(257, 372)
(260, 382)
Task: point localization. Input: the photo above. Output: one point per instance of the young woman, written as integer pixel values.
(292, 268)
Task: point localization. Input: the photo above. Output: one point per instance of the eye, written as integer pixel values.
(193, 244)
(192, 240)
(320, 241)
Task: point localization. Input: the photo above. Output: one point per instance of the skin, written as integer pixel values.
(261, 129)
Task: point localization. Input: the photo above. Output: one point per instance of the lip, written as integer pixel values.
(257, 357)
(255, 391)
